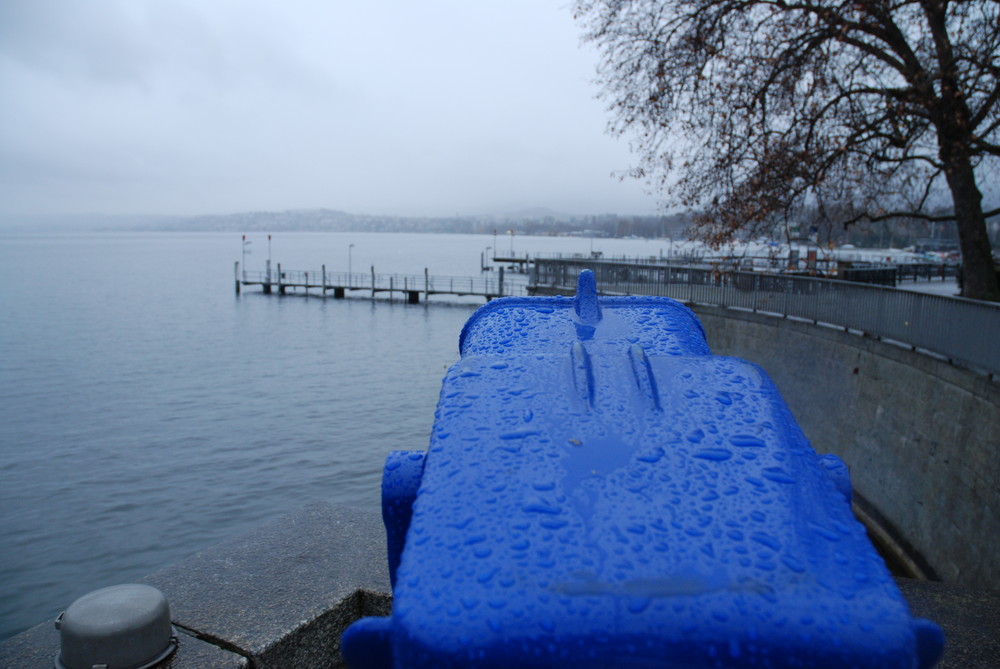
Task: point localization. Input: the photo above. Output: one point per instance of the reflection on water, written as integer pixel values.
(146, 412)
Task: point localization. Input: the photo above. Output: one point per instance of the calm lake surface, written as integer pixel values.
(147, 413)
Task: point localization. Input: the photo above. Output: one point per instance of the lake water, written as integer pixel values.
(146, 412)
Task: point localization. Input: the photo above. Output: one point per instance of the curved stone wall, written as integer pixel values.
(921, 437)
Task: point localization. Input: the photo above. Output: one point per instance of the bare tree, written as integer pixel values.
(873, 109)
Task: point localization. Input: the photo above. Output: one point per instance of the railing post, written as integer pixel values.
(236, 275)
(427, 284)
(786, 285)
(373, 281)
(500, 286)
(324, 280)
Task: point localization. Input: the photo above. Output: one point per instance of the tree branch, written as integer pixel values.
(911, 214)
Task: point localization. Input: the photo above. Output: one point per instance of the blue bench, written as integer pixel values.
(601, 491)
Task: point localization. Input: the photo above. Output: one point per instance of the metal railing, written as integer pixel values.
(963, 331)
(453, 285)
(927, 271)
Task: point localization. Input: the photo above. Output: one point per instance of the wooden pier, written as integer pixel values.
(409, 286)
(514, 263)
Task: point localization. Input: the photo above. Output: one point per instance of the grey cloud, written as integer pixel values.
(82, 41)
(178, 106)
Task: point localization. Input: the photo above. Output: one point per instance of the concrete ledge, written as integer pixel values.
(281, 596)
(38, 647)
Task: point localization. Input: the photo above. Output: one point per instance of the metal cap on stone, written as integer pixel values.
(119, 627)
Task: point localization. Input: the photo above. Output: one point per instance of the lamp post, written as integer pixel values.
(246, 243)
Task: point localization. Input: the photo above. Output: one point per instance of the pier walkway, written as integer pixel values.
(409, 286)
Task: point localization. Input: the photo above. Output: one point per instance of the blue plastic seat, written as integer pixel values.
(601, 491)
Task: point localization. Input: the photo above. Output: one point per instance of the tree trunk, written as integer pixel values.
(979, 278)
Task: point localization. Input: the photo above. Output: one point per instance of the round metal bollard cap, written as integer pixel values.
(121, 627)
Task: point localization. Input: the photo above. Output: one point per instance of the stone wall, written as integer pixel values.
(921, 436)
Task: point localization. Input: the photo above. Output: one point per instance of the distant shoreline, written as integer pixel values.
(531, 222)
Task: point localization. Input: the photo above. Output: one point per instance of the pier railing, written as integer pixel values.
(963, 331)
(426, 284)
(862, 271)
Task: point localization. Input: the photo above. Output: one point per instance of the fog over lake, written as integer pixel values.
(146, 412)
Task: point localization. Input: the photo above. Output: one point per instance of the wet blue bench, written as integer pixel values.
(601, 491)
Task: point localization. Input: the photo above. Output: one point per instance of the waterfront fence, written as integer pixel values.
(963, 331)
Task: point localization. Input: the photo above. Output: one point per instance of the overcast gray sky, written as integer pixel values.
(376, 106)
